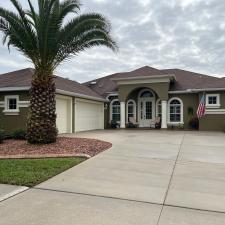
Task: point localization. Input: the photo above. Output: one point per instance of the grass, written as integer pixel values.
(30, 172)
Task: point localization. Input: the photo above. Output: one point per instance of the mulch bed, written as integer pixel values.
(64, 147)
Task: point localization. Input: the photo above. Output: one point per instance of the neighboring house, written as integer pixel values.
(143, 94)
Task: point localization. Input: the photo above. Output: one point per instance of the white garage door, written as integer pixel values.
(89, 115)
(64, 114)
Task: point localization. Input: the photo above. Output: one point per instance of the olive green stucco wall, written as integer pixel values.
(14, 122)
(190, 101)
(214, 122)
(161, 89)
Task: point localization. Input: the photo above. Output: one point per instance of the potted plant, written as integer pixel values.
(194, 123)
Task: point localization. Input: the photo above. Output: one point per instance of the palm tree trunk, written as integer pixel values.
(41, 127)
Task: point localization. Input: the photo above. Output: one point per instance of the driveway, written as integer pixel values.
(147, 178)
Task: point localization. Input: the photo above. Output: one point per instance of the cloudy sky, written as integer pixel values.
(186, 34)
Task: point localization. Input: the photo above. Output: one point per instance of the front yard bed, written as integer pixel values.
(64, 146)
(30, 172)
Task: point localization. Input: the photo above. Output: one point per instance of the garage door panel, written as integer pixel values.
(63, 112)
(89, 115)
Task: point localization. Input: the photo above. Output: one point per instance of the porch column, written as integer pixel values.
(164, 115)
(122, 115)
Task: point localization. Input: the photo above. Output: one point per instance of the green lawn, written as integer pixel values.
(30, 172)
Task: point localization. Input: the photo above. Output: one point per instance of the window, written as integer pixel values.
(131, 109)
(159, 108)
(213, 100)
(11, 103)
(175, 110)
(146, 94)
(115, 110)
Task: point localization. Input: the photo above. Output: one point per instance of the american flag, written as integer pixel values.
(201, 107)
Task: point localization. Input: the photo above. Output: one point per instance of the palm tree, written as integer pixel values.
(47, 38)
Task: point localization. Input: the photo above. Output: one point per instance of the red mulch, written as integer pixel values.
(64, 147)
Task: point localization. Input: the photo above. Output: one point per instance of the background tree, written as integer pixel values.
(47, 38)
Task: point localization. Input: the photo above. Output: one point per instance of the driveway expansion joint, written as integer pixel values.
(170, 181)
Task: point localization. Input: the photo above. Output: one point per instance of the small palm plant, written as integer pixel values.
(47, 38)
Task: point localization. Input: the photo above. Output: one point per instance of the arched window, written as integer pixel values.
(115, 110)
(146, 94)
(159, 108)
(175, 110)
(131, 109)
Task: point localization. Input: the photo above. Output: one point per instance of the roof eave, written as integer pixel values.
(187, 91)
(58, 91)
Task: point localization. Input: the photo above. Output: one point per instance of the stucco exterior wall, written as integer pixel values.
(11, 123)
(189, 101)
(161, 89)
(214, 122)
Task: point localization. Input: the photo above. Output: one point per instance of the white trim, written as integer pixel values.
(69, 93)
(144, 90)
(24, 104)
(134, 108)
(188, 91)
(164, 114)
(217, 105)
(181, 111)
(111, 95)
(25, 88)
(215, 111)
(11, 111)
(122, 115)
(111, 103)
(156, 107)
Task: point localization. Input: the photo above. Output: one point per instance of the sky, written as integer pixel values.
(185, 34)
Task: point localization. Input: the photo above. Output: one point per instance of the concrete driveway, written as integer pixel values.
(147, 178)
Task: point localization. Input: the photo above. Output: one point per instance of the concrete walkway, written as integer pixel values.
(7, 191)
(147, 178)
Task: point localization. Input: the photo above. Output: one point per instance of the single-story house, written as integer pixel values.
(142, 94)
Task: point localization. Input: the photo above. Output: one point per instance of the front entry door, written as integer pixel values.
(146, 112)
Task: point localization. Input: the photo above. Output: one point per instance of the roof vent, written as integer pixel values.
(100, 84)
(93, 82)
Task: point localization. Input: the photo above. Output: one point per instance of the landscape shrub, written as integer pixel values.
(2, 136)
(19, 135)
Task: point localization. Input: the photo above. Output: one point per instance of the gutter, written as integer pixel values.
(188, 91)
(25, 88)
(58, 91)
(62, 92)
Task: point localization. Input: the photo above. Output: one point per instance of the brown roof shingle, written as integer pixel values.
(22, 78)
(184, 80)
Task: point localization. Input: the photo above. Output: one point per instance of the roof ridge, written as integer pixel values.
(143, 67)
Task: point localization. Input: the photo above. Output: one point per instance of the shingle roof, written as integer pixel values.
(22, 78)
(191, 80)
(105, 85)
(184, 80)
